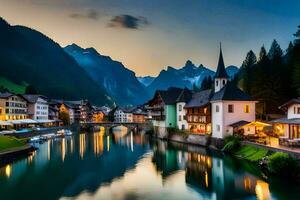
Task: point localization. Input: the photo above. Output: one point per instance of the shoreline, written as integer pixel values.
(14, 153)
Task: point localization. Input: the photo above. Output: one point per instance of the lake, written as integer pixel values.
(130, 166)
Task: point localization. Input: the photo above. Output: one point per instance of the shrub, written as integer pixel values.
(282, 165)
(232, 144)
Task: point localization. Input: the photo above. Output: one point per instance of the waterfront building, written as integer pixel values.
(198, 112)
(12, 107)
(162, 107)
(37, 107)
(288, 128)
(123, 115)
(181, 112)
(229, 104)
(97, 114)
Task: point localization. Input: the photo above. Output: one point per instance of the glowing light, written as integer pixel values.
(107, 139)
(247, 183)
(63, 149)
(262, 190)
(30, 157)
(82, 144)
(8, 170)
(206, 179)
(131, 141)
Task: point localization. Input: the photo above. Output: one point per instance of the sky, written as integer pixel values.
(149, 35)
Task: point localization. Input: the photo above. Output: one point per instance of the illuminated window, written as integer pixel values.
(247, 108)
(205, 110)
(230, 108)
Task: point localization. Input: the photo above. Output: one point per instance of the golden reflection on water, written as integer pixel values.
(49, 149)
(30, 157)
(262, 190)
(72, 144)
(98, 143)
(82, 145)
(8, 170)
(63, 149)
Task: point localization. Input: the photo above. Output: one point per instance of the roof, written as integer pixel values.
(289, 103)
(239, 124)
(185, 95)
(199, 99)
(32, 98)
(6, 95)
(231, 92)
(221, 72)
(286, 121)
(171, 95)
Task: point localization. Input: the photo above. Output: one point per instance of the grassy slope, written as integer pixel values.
(19, 89)
(251, 153)
(7, 143)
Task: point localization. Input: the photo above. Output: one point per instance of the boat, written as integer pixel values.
(37, 139)
(64, 132)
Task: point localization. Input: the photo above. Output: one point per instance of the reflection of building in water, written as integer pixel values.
(6, 170)
(225, 178)
(30, 157)
(98, 142)
(199, 171)
(82, 144)
(108, 143)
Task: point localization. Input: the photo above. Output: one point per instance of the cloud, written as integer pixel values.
(128, 21)
(89, 14)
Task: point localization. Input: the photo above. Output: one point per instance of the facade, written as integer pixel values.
(162, 107)
(97, 115)
(198, 111)
(181, 112)
(123, 116)
(229, 104)
(12, 107)
(38, 108)
(288, 127)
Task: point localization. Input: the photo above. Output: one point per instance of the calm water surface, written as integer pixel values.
(122, 166)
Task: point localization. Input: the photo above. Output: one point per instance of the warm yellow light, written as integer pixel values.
(8, 170)
(262, 190)
(108, 143)
(206, 179)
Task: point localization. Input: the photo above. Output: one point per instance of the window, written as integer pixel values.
(247, 109)
(230, 108)
(205, 110)
(179, 118)
(298, 110)
(218, 127)
(180, 107)
(217, 108)
(217, 83)
(295, 110)
(224, 82)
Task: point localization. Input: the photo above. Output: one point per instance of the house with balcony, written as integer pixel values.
(122, 115)
(38, 108)
(12, 107)
(198, 112)
(162, 108)
(288, 129)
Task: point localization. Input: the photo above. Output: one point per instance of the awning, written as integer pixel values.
(5, 123)
(22, 121)
(286, 121)
(44, 121)
(245, 123)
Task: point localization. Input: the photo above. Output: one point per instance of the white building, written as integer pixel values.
(289, 127)
(38, 108)
(123, 116)
(230, 105)
(184, 97)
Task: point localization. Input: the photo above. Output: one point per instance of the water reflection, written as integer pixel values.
(129, 166)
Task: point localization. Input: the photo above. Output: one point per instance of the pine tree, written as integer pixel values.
(297, 35)
(248, 63)
(296, 62)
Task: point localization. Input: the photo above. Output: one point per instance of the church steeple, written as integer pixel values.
(221, 76)
(221, 72)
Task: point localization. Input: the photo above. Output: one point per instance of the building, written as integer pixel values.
(97, 115)
(288, 127)
(229, 104)
(37, 107)
(123, 116)
(198, 113)
(162, 107)
(184, 97)
(53, 111)
(139, 115)
(12, 107)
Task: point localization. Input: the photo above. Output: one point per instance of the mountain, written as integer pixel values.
(186, 76)
(146, 80)
(28, 56)
(120, 82)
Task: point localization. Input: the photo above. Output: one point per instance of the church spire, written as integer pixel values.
(221, 72)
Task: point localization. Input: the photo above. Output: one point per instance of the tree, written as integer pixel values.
(65, 117)
(297, 35)
(206, 83)
(295, 62)
(248, 63)
(30, 90)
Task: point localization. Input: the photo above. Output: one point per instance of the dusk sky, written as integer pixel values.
(149, 35)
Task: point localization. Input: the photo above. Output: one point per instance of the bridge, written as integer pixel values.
(109, 125)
